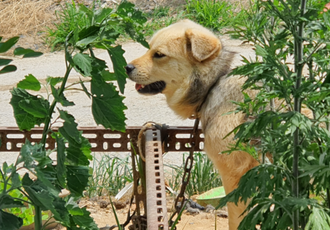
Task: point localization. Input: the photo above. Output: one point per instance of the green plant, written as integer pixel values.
(74, 17)
(111, 174)
(213, 14)
(70, 169)
(203, 175)
(160, 18)
(290, 116)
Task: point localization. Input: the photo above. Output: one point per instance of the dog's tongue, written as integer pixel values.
(138, 86)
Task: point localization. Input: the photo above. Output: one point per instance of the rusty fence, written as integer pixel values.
(102, 140)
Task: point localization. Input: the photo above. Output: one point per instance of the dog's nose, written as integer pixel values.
(129, 68)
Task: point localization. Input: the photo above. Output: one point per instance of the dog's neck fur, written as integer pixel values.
(201, 83)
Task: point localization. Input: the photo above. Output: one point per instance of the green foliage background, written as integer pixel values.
(291, 74)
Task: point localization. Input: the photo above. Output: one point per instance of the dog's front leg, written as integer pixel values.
(231, 168)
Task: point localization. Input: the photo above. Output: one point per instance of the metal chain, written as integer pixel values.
(186, 175)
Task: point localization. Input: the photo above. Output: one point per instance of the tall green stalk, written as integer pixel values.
(297, 108)
(37, 218)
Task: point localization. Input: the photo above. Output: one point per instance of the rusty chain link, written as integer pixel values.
(186, 175)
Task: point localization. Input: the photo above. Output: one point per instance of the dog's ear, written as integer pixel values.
(203, 45)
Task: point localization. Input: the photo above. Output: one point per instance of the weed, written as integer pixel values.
(203, 175)
(162, 17)
(110, 174)
(213, 14)
(70, 18)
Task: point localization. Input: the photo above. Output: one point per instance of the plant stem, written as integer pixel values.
(328, 197)
(37, 218)
(52, 107)
(297, 108)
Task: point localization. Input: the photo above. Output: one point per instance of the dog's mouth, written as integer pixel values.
(153, 88)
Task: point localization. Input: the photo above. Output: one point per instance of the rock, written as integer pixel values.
(192, 211)
(209, 208)
(103, 204)
(222, 213)
(119, 204)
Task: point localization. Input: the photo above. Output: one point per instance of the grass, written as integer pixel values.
(110, 175)
(203, 175)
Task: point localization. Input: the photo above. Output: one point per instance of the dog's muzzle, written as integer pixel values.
(129, 68)
(153, 88)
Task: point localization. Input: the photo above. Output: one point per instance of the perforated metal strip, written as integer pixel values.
(102, 140)
(155, 183)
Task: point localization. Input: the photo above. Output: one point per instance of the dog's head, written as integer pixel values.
(176, 53)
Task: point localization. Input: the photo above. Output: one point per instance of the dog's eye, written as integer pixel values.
(159, 55)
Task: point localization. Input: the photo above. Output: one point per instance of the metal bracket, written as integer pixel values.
(155, 182)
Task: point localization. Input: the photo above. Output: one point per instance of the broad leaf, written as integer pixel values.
(107, 106)
(60, 156)
(79, 150)
(83, 64)
(30, 82)
(69, 129)
(77, 179)
(24, 114)
(119, 63)
(5, 46)
(35, 106)
(7, 201)
(26, 52)
(60, 98)
(30, 154)
(9, 221)
(38, 193)
(54, 80)
(5, 61)
(8, 69)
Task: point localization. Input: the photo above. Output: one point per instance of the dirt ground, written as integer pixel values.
(103, 215)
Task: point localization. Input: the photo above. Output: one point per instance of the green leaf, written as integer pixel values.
(60, 98)
(26, 52)
(41, 196)
(77, 178)
(80, 216)
(69, 129)
(9, 221)
(8, 69)
(5, 46)
(107, 76)
(107, 106)
(119, 63)
(318, 220)
(7, 201)
(38, 193)
(79, 150)
(85, 89)
(24, 119)
(35, 106)
(54, 80)
(30, 82)
(5, 61)
(85, 220)
(30, 154)
(60, 166)
(83, 64)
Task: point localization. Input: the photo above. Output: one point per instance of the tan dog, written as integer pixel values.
(185, 60)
